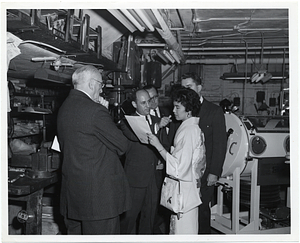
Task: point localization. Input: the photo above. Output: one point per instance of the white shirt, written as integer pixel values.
(156, 128)
(201, 99)
(152, 112)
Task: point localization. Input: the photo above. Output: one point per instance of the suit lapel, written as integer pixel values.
(203, 109)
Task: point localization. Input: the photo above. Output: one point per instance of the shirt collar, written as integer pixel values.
(146, 117)
(152, 112)
(201, 99)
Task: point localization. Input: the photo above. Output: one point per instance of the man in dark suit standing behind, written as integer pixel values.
(95, 190)
(212, 123)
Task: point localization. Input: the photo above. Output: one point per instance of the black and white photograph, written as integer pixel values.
(150, 122)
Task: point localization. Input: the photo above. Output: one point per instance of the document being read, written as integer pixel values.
(140, 127)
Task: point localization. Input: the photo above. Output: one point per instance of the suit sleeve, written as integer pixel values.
(127, 131)
(108, 132)
(219, 142)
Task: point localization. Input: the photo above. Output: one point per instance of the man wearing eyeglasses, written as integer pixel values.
(94, 190)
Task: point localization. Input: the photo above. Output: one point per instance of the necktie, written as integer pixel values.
(155, 111)
(147, 119)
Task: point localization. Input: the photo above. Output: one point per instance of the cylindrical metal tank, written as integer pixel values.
(254, 137)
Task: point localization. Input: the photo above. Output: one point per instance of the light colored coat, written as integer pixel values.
(187, 160)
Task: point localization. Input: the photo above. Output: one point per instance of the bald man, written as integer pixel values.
(140, 166)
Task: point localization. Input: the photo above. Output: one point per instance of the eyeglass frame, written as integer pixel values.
(102, 84)
(153, 98)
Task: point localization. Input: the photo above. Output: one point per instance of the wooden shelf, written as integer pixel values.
(22, 28)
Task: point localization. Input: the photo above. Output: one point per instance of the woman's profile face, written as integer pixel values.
(179, 111)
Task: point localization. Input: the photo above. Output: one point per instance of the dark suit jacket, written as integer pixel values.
(212, 123)
(140, 159)
(94, 185)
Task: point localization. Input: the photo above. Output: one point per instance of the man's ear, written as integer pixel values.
(91, 85)
(199, 88)
(133, 104)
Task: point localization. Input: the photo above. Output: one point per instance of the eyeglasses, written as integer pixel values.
(101, 83)
(153, 98)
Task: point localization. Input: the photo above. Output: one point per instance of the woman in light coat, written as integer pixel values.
(186, 161)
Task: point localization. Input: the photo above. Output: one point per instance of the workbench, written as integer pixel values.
(24, 188)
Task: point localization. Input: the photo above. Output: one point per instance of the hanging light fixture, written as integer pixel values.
(169, 56)
(176, 57)
(261, 74)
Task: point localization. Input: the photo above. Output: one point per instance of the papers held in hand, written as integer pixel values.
(140, 127)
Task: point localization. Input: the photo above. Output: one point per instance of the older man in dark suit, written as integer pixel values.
(95, 189)
(212, 124)
(140, 165)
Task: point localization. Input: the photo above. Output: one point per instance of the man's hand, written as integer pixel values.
(164, 121)
(211, 180)
(159, 165)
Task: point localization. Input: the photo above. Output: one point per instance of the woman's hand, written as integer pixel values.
(153, 140)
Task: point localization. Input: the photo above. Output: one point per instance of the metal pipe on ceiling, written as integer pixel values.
(119, 16)
(230, 37)
(231, 48)
(143, 17)
(166, 34)
(235, 61)
(198, 20)
(232, 30)
(246, 74)
(164, 31)
(232, 41)
(132, 20)
(229, 53)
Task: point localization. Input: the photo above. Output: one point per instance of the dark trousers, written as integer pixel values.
(162, 214)
(93, 227)
(207, 193)
(144, 202)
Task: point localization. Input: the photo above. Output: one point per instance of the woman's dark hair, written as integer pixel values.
(189, 99)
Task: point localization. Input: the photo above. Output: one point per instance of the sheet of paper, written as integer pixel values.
(55, 144)
(140, 127)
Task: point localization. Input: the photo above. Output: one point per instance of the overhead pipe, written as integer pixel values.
(244, 84)
(167, 35)
(119, 16)
(228, 53)
(198, 20)
(230, 48)
(235, 60)
(229, 37)
(132, 20)
(283, 71)
(199, 43)
(143, 17)
(231, 29)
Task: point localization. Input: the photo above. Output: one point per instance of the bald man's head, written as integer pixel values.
(141, 102)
